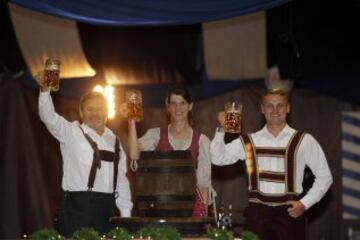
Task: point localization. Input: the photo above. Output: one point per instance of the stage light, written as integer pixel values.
(108, 92)
(98, 88)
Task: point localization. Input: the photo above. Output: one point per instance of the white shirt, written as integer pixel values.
(77, 156)
(151, 139)
(309, 153)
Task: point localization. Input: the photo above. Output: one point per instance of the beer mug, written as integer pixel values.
(134, 105)
(232, 117)
(51, 74)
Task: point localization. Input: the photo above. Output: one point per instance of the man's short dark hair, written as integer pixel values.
(91, 95)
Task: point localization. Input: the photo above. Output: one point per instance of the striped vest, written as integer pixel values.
(255, 175)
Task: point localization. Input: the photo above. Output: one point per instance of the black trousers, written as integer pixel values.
(273, 223)
(85, 209)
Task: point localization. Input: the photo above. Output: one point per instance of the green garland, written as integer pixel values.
(86, 233)
(46, 234)
(223, 234)
(220, 234)
(247, 235)
(158, 233)
(119, 233)
(152, 232)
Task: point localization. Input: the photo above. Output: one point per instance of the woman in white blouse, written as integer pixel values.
(179, 135)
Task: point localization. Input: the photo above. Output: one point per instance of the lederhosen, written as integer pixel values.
(199, 208)
(267, 213)
(88, 208)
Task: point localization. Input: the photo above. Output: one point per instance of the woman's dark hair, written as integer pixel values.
(181, 91)
(178, 90)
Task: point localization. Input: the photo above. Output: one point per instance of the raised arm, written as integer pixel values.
(225, 154)
(134, 151)
(58, 126)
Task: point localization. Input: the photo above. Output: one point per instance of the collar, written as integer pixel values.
(285, 132)
(88, 129)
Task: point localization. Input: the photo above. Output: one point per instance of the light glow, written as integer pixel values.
(108, 92)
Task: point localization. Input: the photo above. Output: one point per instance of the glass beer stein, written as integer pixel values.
(51, 74)
(232, 117)
(134, 105)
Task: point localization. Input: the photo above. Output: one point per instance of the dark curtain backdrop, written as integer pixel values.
(145, 54)
(31, 165)
(317, 50)
(10, 53)
(26, 190)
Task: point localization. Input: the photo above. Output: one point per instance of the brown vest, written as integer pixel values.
(288, 177)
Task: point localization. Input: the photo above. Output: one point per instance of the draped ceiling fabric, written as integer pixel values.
(144, 54)
(149, 13)
(236, 48)
(41, 36)
(148, 53)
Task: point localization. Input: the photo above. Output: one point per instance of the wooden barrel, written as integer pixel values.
(165, 184)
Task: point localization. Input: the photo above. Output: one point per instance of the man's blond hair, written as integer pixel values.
(276, 92)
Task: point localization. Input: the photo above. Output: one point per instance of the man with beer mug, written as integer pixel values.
(276, 157)
(94, 163)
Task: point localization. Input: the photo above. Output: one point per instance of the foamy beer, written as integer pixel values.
(134, 105)
(232, 117)
(52, 74)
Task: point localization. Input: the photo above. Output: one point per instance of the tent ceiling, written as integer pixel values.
(144, 12)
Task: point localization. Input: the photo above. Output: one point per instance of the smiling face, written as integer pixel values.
(275, 108)
(93, 112)
(178, 108)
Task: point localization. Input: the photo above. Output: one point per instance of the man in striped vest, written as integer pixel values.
(276, 157)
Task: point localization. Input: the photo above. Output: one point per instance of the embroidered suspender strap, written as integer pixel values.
(288, 177)
(251, 164)
(116, 162)
(278, 154)
(266, 152)
(272, 176)
(291, 160)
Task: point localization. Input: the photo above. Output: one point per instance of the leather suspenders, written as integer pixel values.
(102, 155)
(288, 177)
